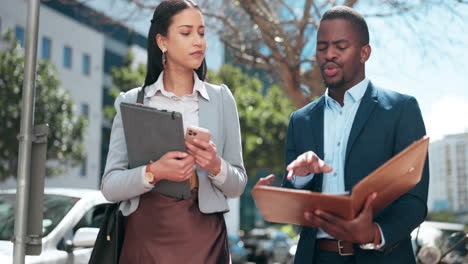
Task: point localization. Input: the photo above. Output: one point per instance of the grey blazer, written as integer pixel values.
(219, 115)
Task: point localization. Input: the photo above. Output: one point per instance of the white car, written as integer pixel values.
(71, 223)
(432, 240)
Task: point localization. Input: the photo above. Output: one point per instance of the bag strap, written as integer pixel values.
(110, 213)
(141, 92)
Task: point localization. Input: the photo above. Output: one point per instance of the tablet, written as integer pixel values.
(149, 134)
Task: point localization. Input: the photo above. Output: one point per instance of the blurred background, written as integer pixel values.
(90, 50)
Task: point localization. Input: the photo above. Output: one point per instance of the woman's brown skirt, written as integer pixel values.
(166, 230)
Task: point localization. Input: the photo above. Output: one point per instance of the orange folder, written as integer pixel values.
(391, 180)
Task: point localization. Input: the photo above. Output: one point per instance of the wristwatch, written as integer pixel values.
(149, 176)
(368, 246)
(374, 244)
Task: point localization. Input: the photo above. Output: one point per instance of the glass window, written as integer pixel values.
(19, 35)
(86, 64)
(93, 217)
(112, 59)
(83, 170)
(67, 57)
(85, 109)
(46, 45)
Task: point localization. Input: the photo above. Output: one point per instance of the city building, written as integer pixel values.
(78, 59)
(448, 164)
(75, 39)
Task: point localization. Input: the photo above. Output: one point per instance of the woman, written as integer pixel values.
(162, 229)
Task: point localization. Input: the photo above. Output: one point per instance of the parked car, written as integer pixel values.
(440, 242)
(268, 246)
(293, 248)
(70, 225)
(237, 249)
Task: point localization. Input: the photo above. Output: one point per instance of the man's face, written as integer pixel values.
(340, 54)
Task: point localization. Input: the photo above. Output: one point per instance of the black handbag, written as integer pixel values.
(110, 237)
(111, 234)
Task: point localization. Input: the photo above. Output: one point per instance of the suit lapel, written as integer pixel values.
(205, 120)
(317, 126)
(317, 119)
(204, 111)
(368, 103)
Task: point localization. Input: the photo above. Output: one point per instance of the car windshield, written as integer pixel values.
(55, 208)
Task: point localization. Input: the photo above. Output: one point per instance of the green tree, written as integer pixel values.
(263, 114)
(442, 216)
(125, 78)
(445, 216)
(52, 105)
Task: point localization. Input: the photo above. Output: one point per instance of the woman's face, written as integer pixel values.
(185, 41)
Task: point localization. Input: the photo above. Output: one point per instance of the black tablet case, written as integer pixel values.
(150, 133)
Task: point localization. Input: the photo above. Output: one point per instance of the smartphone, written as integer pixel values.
(199, 133)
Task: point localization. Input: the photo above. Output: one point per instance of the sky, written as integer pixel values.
(429, 63)
(425, 57)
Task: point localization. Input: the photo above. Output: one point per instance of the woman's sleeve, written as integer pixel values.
(118, 182)
(236, 179)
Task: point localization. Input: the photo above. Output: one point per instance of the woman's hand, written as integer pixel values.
(205, 155)
(174, 166)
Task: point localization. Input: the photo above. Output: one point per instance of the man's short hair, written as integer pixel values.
(352, 16)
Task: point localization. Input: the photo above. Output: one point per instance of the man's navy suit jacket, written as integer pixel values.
(385, 123)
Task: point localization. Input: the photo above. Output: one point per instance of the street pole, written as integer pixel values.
(26, 134)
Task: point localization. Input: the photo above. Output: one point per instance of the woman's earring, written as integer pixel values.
(164, 59)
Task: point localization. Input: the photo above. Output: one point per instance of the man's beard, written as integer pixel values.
(334, 85)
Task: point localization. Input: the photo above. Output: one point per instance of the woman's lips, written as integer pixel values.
(197, 53)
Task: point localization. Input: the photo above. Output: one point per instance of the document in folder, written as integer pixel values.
(150, 133)
(390, 181)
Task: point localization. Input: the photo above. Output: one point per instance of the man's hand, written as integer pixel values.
(359, 230)
(307, 163)
(268, 180)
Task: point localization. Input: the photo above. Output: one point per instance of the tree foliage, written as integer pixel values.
(129, 75)
(442, 216)
(53, 106)
(125, 78)
(264, 115)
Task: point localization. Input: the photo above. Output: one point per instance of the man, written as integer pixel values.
(343, 136)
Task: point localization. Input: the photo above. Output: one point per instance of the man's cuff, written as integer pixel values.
(222, 175)
(372, 246)
(382, 239)
(298, 182)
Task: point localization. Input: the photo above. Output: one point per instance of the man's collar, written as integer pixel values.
(355, 93)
